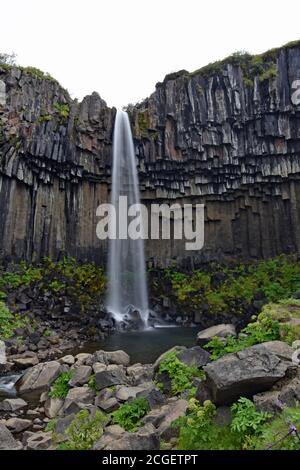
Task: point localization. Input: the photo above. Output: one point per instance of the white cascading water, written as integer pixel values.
(127, 285)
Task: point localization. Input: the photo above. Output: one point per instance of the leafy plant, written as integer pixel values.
(61, 386)
(197, 430)
(9, 322)
(181, 374)
(129, 414)
(247, 421)
(92, 383)
(84, 431)
(62, 109)
(264, 329)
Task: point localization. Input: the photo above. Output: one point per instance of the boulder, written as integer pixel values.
(124, 393)
(153, 395)
(99, 367)
(39, 441)
(2, 353)
(281, 349)
(163, 417)
(81, 394)
(39, 378)
(139, 373)
(113, 375)
(244, 373)
(68, 359)
(112, 357)
(194, 357)
(52, 407)
(12, 404)
(109, 405)
(16, 425)
(115, 438)
(81, 376)
(221, 331)
(7, 441)
(25, 362)
(83, 359)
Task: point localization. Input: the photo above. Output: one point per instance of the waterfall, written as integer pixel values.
(127, 286)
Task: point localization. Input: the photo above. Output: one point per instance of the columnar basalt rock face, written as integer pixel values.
(227, 136)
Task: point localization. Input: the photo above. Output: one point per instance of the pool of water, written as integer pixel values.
(146, 346)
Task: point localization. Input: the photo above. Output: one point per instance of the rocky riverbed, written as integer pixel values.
(89, 388)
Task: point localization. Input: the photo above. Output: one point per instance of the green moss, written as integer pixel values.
(37, 73)
(62, 109)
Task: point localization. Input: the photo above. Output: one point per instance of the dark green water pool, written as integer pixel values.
(146, 346)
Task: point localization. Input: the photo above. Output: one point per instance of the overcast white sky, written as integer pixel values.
(121, 48)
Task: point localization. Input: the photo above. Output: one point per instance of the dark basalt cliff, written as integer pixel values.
(227, 136)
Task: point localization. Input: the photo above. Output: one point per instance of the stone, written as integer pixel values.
(99, 367)
(39, 441)
(154, 396)
(24, 362)
(194, 357)
(221, 331)
(16, 425)
(223, 416)
(109, 405)
(3, 359)
(13, 404)
(83, 359)
(52, 407)
(39, 378)
(124, 393)
(69, 360)
(81, 376)
(82, 394)
(296, 344)
(112, 357)
(163, 417)
(7, 441)
(245, 373)
(146, 438)
(139, 373)
(63, 423)
(281, 349)
(110, 377)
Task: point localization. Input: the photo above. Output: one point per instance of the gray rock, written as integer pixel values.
(194, 357)
(139, 373)
(146, 438)
(39, 441)
(24, 362)
(68, 359)
(39, 378)
(12, 404)
(109, 405)
(221, 331)
(163, 417)
(124, 393)
(112, 357)
(81, 376)
(63, 423)
(7, 441)
(112, 376)
(223, 416)
(154, 396)
(16, 425)
(245, 373)
(83, 359)
(281, 349)
(52, 407)
(99, 367)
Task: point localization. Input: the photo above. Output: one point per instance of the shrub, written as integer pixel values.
(247, 422)
(197, 430)
(9, 322)
(282, 433)
(129, 414)
(260, 331)
(84, 431)
(61, 386)
(62, 109)
(181, 375)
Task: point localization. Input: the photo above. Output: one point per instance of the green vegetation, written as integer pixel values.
(129, 414)
(84, 431)
(62, 109)
(9, 322)
(273, 280)
(181, 375)
(198, 430)
(92, 383)
(83, 283)
(61, 386)
(265, 328)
